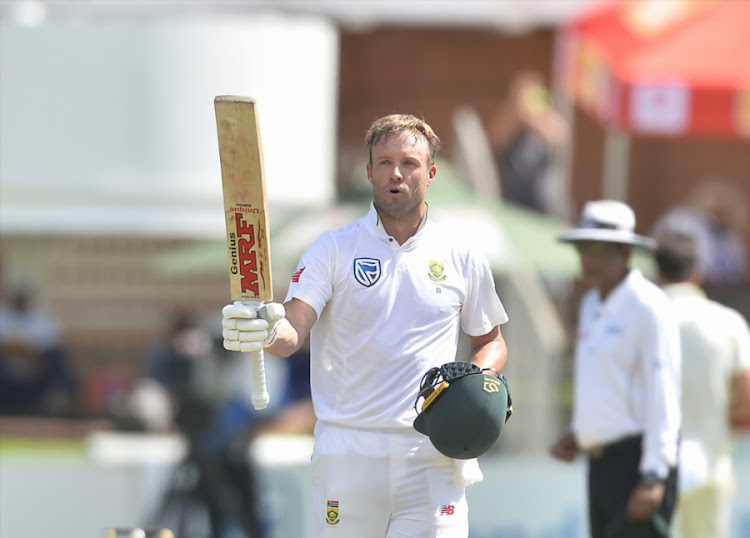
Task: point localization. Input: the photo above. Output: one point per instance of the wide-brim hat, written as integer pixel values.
(610, 221)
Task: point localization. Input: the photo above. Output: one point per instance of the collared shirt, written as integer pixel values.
(627, 369)
(386, 314)
(715, 348)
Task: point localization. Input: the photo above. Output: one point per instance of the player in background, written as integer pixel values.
(715, 390)
(383, 301)
(626, 414)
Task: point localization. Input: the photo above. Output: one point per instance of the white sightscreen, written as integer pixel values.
(107, 123)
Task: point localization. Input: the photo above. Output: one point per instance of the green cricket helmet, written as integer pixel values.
(464, 408)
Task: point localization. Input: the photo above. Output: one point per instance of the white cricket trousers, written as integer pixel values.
(387, 484)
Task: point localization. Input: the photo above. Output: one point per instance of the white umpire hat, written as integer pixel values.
(610, 221)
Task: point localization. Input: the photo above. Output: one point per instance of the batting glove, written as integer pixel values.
(248, 329)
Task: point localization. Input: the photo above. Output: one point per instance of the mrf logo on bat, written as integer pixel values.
(245, 200)
(246, 247)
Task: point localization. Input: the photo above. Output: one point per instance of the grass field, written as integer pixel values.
(29, 447)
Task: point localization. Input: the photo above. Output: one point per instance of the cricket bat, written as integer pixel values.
(246, 215)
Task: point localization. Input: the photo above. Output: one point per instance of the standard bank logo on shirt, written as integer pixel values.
(367, 271)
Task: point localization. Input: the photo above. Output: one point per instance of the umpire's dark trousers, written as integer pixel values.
(613, 475)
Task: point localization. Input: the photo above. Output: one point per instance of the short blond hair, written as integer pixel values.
(393, 124)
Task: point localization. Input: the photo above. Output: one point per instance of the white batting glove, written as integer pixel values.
(248, 329)
(273, 313)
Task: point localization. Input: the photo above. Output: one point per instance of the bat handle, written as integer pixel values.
(260, 391)
(260, 397)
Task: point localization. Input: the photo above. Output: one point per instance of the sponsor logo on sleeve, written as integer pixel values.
(297, 274)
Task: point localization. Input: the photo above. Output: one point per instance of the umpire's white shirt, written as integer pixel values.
(386, 314)
(627, 371)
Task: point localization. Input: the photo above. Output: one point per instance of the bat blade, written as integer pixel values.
(246, 215)
(245, 201)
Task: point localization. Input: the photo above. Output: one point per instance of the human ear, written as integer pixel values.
(431, 173)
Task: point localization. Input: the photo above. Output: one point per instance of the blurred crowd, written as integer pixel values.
(187, 367)
(186, 383)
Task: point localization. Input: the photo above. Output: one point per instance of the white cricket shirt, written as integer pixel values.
(627, 371)
(386, 314)
(715, 348)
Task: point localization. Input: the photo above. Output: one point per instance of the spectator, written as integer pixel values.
(36, 376)
(525, 133)
(715, 391)
(716, 217)
(626, 414)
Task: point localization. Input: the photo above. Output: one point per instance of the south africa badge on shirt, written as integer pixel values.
(332, 513)
(367, 271)
(437, 271)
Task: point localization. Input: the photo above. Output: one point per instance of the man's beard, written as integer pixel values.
(398, 209)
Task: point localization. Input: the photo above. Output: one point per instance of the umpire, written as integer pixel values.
(626, 413)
